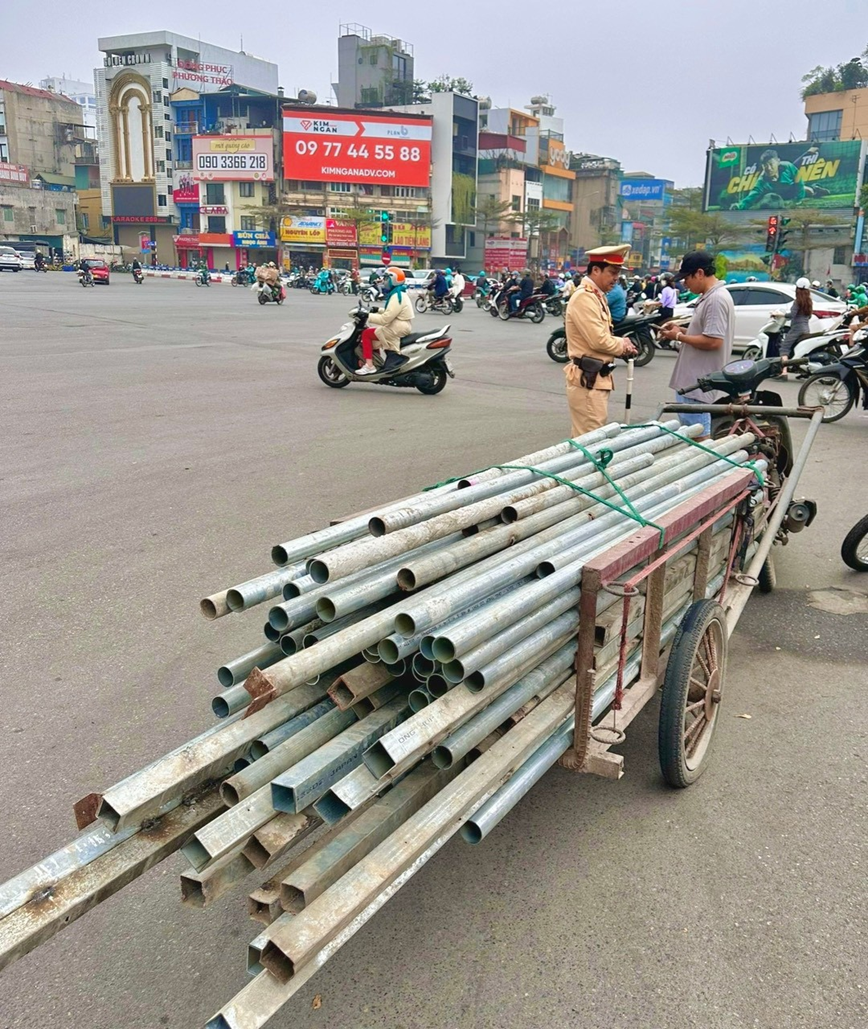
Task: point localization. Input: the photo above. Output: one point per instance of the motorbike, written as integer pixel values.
(820, 348)
(41, 266)
(423, 363)
(836, 388)
(532, 307)
(854, 549)
(266, 295)
(138, 276)
(636, 329)
(556, 306)
(322, 285)
(203, 277)
(480, 294)
(242, 277)
(85, 277)
(426, 301)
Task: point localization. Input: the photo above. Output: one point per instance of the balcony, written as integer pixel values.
(187, 128)
(183, 165)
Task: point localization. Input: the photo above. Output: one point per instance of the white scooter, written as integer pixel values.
(821, 348)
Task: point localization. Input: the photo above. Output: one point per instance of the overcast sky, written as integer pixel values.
(648, 84)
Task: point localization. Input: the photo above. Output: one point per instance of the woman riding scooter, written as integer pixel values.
(393, 322)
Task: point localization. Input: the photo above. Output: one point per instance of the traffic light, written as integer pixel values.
(783, 233)
(385, 228)
(772, 233)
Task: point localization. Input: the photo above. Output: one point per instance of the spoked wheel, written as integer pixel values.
(421, 305)
(330, 374)
(854, 549)
(537, 313)
(644, 343)
(692, 692)
(503, 312)
(835, 395)
(556, 347)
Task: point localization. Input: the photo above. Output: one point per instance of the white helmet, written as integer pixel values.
(816, 283)
(803, 283)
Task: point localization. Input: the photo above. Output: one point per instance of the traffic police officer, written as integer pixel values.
(591, 345)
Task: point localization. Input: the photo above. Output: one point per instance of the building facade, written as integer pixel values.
(373, 70)
(81, 92)
(596, 211)
(140, 74)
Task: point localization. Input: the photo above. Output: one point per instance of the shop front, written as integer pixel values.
(304, 241)
(410, 246)
(254, 246)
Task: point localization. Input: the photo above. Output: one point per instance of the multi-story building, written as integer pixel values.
(81, 92)
(557, 179)
(596, 218)
(352, 177)
(39, 134)
(373, 70)
(645, 203)
(141, 72)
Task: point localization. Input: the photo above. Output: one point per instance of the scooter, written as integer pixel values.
(819, 348)
(265, 294)
(555, 305)
(422, 364)
(322, 284)
(85, 277)
(242, 277)
(203, 277)
(138, 276)
(532, 307)
(636, 329)
(426, 301)
(836, 388)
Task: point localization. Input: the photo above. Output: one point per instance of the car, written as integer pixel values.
(417, 278)
(9, 260)
(99, 269)
(755, 301)
(28, 259)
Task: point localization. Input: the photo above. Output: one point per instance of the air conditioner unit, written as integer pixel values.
(33, 228)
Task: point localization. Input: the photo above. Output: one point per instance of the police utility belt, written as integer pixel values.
(591, 368)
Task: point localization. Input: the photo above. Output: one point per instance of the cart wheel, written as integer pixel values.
(692, 691)
(767, 578)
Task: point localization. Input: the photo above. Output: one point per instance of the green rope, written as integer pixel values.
(687, 439)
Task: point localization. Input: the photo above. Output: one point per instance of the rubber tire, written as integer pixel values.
(421, 304)
(556, 341)
(458, 305)
(480, 301)
(324, 363)
(751, 354)
(440, 376)
(767, 577)
(314, 290)
(850, 546)
(538, 313)
(823, 375)
(644, 343)
(262, 298)
(494, 310)
(675, 688)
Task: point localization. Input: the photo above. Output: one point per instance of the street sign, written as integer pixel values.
(387, 257)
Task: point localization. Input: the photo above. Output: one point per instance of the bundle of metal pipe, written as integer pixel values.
(404, 643)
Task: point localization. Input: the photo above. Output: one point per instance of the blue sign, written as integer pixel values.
(626, 232)
(254, 238)
(642, 189)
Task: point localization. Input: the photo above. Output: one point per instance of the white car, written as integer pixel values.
(755, 301)
(28, 259)
(9, 260)
(417, 278)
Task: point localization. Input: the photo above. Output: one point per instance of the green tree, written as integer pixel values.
(694, 226)
(421, 92)
(491, 212)
(534, 224)
(447, 84)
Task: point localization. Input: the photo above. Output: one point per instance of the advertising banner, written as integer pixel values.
(502, 252)
(186, 242)
(233, 158)
(187, 190)
(642, 189)
(14, 173)
(340, 234)
(363, 147)
(783, 176)
(311, 229)
(196, 73)
(404, 234)
(253, 238)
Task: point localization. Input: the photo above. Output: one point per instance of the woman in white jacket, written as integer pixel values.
(392, 323)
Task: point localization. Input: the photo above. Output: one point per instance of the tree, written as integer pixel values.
(421, 92)
(535, 223)
(694, 226)
(806, 231)
(491, 212)
(447, 84)
(851, 75)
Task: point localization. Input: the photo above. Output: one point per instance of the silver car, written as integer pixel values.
(9, 260)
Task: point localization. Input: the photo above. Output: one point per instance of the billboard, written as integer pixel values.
(14, 173)
(196, 73)
(404, 234)
(502, 252)
(233, 158)
(783, 176)
(642, 189)
(337, 146)
(253, 238)
(134, 202)
(186, 189)
(298, 229)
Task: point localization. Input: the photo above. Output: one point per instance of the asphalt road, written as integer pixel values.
(155, 441)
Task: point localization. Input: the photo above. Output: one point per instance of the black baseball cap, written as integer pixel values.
(696, 261)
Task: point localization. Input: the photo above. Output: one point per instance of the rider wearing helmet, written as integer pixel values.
(392, 323)
(830, 289)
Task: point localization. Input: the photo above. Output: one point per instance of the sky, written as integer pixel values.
(647, 84)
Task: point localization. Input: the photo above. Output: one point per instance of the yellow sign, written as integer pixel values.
(303, 230)
(404, 234)
(232, 146)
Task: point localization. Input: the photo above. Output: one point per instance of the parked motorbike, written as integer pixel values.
(423, 363)
(426, 301)
(203, 277)
(836, 388)
(636, 329)
(138, 276)
(854, 549)
(267, 294)
(85, 277)
(532, 307)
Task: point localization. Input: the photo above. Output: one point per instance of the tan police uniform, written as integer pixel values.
(589, 334)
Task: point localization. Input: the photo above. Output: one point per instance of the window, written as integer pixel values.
(340, 187)
(471, 239)
(4, 152)
(245, 189)
(60, 216)
(216, 223)
(167, 117)
(214, 193)
(373, 57)
(158, 131)
(824, 125)
(85, 221)
(248, 223)
(161, 166)
(533, 204)
(8, 214)
(402, 191)
(516, 203)
(839, 255)
(165, 83)
(168, 153)
(168, 135)
(158, 96)
(161, 200)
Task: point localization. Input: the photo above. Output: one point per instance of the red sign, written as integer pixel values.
(387, 258)
(325, 145)
(186, 242)
(139, 219)
(14, 173)
(340, 234)
(502, 252)
(186, 191)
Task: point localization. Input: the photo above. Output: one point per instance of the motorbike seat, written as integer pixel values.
(423, 337)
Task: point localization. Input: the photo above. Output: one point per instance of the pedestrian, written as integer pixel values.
(707, 345)
(591, 343)
(668, 299)
(800, 321)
